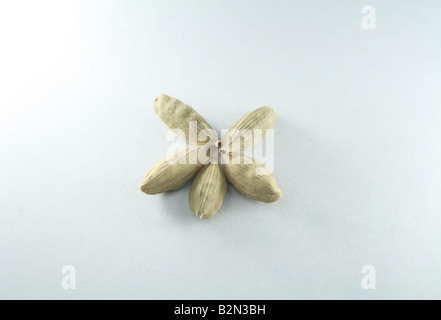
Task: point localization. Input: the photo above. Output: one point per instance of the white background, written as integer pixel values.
(357, 153)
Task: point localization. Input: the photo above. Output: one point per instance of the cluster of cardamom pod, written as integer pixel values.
(207, 192)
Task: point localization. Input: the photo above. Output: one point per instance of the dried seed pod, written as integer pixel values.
(172, 172)
(251, 178)
(244, 129)
(179, 117)
(208, 191)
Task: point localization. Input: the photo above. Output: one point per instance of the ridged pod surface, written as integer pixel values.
(245, 178)
(243, 129)
(207, 191)
(177, 116)
(171, 173)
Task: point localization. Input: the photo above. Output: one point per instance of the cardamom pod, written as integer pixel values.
(172, 172)
(179, 116)
(207, 191)
(244, 129)
(251, 178)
